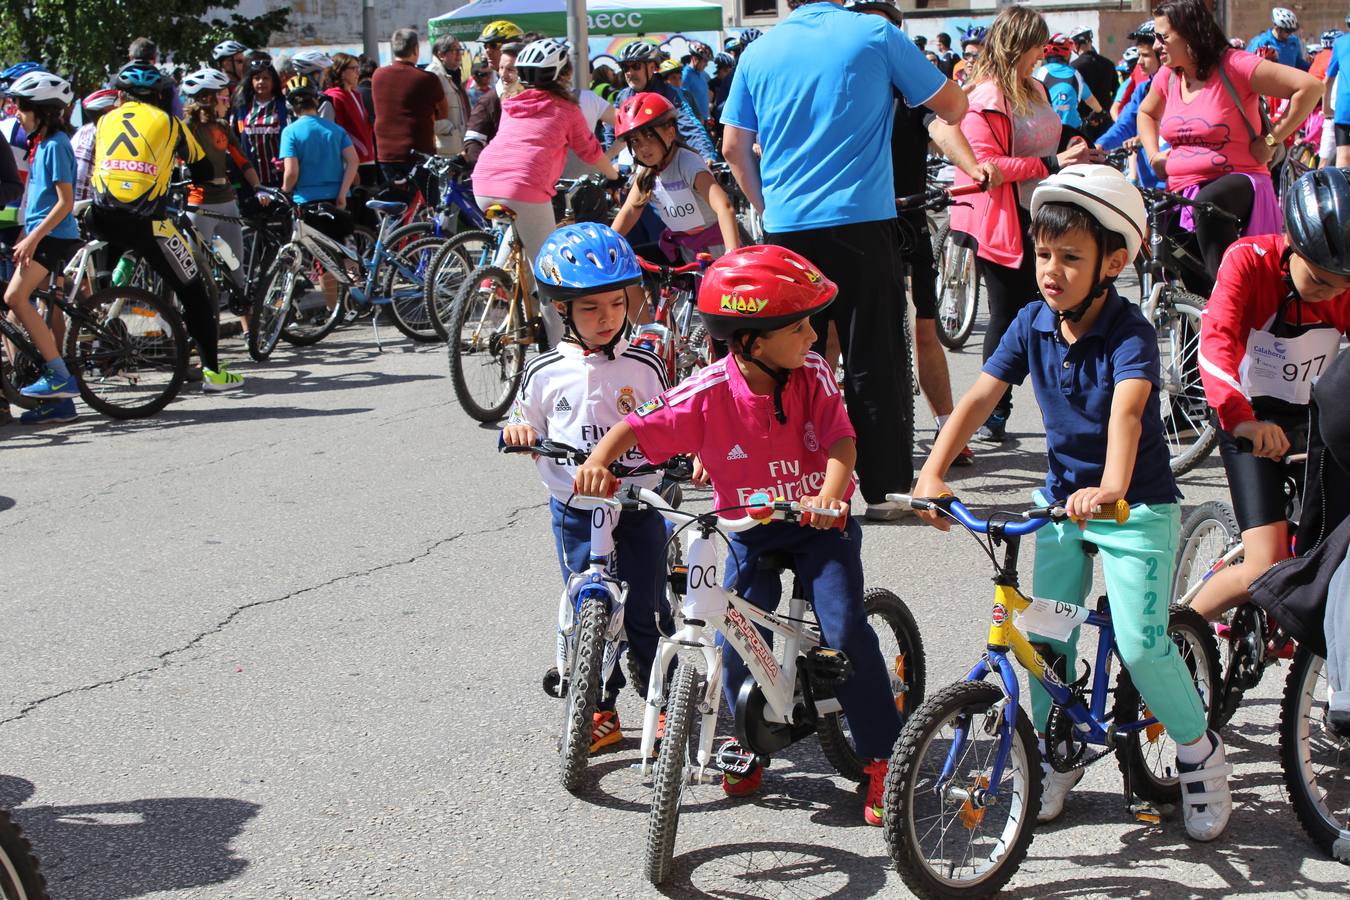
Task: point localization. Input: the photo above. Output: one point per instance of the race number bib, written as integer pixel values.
(1285, 368)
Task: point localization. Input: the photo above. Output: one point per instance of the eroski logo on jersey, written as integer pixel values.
(790, 482)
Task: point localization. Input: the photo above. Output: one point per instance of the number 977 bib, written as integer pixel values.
(1286, 367)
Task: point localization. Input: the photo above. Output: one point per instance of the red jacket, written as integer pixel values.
(1247, 295)
(351, 115)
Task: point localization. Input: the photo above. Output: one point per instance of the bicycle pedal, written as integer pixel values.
(1146, 812)
(733, 759)
(829, 666)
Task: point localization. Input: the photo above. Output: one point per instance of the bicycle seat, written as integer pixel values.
(499, 211)
(386, 207)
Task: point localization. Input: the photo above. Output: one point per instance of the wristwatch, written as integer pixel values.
(1270, 140)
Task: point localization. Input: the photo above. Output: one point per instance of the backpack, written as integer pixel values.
(1064, 91)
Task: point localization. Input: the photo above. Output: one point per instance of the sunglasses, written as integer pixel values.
(631, 66)
(259, 65)
(493, 45)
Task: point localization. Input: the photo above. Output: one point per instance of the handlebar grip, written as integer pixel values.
(973, 188)
(1119, 512)
(917, 503)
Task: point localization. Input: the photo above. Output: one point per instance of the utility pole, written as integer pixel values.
(369, 42)
(579, 37)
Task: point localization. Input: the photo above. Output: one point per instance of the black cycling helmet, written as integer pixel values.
(1317, 219)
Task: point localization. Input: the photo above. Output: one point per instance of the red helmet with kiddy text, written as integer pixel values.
(761, 288)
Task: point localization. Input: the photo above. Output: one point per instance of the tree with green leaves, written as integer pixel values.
(86, 40)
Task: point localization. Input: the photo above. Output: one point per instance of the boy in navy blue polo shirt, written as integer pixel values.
(1093, 362)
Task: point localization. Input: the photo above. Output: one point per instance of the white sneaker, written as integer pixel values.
(1055, 786)
(1206, 800)
(887, 511)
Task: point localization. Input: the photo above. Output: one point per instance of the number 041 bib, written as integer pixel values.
(1286, 367)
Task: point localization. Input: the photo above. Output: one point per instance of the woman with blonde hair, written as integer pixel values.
(1011, 124)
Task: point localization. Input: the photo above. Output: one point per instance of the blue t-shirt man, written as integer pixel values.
(1288, 51)
(53, 163)
(1126, 127)
(695, 87)
(1340, 59)
(317, 145)
(1074, 385)
(824, 120)
(1066, 90)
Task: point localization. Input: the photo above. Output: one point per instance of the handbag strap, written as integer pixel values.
(1232, 92)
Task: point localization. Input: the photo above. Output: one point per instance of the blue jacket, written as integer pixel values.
(1289, 51)
(1126, 127)
(696, 89)
(693, 134)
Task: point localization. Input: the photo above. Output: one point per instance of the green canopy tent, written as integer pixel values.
(549, 17)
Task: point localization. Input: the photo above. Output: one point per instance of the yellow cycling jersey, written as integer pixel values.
(135, 146)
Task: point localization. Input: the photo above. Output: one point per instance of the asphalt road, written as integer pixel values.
(288, 642)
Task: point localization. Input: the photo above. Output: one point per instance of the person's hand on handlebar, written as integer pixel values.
(519, 436)
(594, 480)
(1078, 151)
(822, 502)
(1086, 502)
(700, 478)
(991, 176)
(931, 486)
(1268, 439)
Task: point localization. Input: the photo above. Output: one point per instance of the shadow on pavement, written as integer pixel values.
(775, 869)
(90, 425)
(6, 503)
(101, 851)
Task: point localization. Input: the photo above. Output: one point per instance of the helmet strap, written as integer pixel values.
(779, 376)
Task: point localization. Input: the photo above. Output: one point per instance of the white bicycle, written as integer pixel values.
(787, 696)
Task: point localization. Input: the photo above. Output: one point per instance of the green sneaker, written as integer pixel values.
(224, 380)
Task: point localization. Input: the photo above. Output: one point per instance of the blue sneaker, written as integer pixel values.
(52, 387)
(50, 413)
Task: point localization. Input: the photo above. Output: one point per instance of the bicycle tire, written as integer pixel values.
(583, 691)
(477, 342)
(1300, 731)
(954, 331)
(1190, 631)
(907, 673)
(272, 306)
(20, 875)
(1196, 552)
(1178, 324)
(407, 299)
(446, 274)
(671, 773)
(906, 772)
(116, 341)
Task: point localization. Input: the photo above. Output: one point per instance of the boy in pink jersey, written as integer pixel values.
(770, 417)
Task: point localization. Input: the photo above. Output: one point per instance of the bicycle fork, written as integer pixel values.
(691, 636)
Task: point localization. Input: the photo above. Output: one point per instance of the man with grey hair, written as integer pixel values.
(447, 57)
(408, 101)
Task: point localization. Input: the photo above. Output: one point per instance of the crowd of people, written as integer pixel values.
(812, 317)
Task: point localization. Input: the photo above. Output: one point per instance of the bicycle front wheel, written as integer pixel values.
(946, 837)
(1316, 760)
(1188, 425)
(272, 306)
(405, 284)
(445, 276)
(672, 771)
(128, 349)
(958, 291)
(489, 338)
(20, 877)
(583, 690)
(902, 650)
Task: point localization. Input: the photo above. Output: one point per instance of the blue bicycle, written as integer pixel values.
(964, 785)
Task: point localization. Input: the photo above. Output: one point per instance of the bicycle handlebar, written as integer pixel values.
(701, 262)
(1160, 199)
(937, 198)
(677, 468)
(1033, 519)
(760, 511)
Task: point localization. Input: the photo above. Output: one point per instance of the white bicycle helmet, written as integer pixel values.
(638, 51)
(1081, 34)
(42, 89)
(311, 62)
(1131, 54)
(204, 80)
(1107, 196)
(227, 49)
(541, 62)
(1284, 18)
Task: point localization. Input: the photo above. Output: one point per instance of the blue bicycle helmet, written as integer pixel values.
(975, 34)
(18, 70)
(583, 259)
(138, 79)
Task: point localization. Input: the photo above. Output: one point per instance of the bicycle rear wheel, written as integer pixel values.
(445, 276)
(1314, 758)
(902, 649)
(489, 338)
(20, 877)
(405, 283)
(958, 290)
(944, 836)
(128, 350)
(272, 306)
(672, 771)
(1188, 425)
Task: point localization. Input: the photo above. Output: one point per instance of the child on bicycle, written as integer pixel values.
(1093, 362)
(770, 418)
(674, 180)
(51, 235)
(574, 394)
(1280, 305)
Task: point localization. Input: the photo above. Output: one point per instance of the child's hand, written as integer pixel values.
(595, 480)
(519, 436)
(700, 476)
(1086, 502)
(930, 487)
(824, 522)
(1268, 439)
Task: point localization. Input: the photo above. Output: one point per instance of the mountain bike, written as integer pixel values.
(1314, 758)
(20, 876)
(958, 284)
(964, 785)
(127, 348)
(675, 333)
(590, 614)
(785, 698)
(1189, 426)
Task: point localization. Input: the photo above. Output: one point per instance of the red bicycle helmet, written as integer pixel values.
(759, 289)
(1058, 45)
(642, 111)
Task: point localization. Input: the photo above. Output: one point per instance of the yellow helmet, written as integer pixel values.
(670, 65)
(499, 31)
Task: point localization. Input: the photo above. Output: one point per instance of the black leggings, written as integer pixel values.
(1214, 234)
(127, 232)
(1007, 291)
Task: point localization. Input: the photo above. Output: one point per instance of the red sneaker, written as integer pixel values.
(605, 729)
(965, 458)
(876, 790)
(743, 785)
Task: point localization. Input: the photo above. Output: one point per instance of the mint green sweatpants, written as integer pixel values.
(1137, 561)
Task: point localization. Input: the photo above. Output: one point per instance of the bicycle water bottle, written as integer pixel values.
(121, 275)
(225, 253)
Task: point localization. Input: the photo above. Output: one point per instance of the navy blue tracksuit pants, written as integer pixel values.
(639, 542)
(829, 564)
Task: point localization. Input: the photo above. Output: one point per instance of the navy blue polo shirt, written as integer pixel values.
(1074, 384)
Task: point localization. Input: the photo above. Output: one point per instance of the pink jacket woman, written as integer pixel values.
(527, 154)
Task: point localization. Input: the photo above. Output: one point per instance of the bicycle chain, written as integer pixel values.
(1059, 730)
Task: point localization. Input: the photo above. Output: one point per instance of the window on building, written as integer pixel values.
(759, 7)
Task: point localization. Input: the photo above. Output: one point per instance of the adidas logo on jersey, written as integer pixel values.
(737, 453)
(562, 405)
